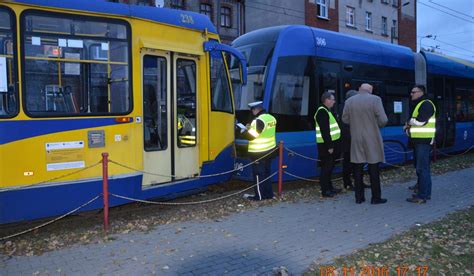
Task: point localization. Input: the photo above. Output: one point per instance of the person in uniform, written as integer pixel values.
(421, 128)
(328, 134)
(261, 137)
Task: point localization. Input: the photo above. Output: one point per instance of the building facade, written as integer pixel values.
(267, 13)
(392, 21)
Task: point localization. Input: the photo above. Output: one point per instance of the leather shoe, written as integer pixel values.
(359, 201)
(416, 200)
(327, 194)
(378, 201)
(336, 190)
(416, 195)
(414, 187)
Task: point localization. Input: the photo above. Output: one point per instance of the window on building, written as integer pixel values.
(384, 1)
(368, 21)
(177, 4)
(226, 17)
(395, 3)
(322, 6)
(384, 25)
(394, 29)
(206, 9)
(350, 16)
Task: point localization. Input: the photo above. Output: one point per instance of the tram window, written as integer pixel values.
(186, 103)
(220, 91)
(291, 93)
(155, 103)
(75, 66)
(396, 103)
(8, 75)
(464, 105)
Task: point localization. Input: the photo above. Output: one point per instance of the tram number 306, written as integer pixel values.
(320, 41)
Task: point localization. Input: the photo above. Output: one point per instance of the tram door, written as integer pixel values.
(169, 117)
(445, 109)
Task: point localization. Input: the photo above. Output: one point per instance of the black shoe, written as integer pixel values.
(416, 200)
(414, 187)
(336, 190)
(327, 194)
(349, 187)
(359, 201)
(366, 186)
(416, 195)
(378, 201)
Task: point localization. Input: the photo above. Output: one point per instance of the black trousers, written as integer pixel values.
(327, 165)
(374, 176)
(347, 169)
(261, 170)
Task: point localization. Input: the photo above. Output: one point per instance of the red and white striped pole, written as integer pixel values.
(105, 189)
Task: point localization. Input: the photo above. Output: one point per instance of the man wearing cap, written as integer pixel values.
(328, 134)
(261, 136)
(421, 128)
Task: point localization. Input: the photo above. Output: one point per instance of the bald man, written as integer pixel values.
(365, 115)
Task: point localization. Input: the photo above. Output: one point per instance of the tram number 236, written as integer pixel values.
(188, 19)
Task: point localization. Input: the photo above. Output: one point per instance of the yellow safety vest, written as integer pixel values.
(425, 131)
(334, 129)
(266, 139)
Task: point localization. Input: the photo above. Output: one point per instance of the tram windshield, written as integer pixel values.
(258, 57)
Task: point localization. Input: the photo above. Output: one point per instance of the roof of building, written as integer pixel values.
(186, 19)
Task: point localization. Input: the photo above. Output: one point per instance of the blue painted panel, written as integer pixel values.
(163, 15)
(22, 129)
(441, 65)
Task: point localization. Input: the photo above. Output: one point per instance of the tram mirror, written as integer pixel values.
(348, 68)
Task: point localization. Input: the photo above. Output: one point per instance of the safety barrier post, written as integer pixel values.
(434, 151)
(105, 189)
(280, 167)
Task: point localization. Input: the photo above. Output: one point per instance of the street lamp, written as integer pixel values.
(393, 28)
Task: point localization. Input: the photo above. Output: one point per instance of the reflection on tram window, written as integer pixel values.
(155, 102)
(186, 102)
(75, 66)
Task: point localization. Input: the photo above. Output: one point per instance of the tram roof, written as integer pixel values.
(294, 40)
(445, 65)
(162, 15)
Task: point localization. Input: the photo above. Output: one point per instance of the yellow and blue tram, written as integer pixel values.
(149, 86)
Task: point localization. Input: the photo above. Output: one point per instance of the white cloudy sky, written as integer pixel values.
(452, 22)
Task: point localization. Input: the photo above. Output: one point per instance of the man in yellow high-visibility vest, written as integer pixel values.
(328, 135)
(421, 128)
(261, 137)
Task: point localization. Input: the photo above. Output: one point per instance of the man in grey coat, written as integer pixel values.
(365, 115)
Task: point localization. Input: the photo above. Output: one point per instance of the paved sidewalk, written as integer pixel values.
(253, 242)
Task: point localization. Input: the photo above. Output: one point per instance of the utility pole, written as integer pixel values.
(394, 28)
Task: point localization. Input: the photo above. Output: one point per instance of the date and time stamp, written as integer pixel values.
(402, 270)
